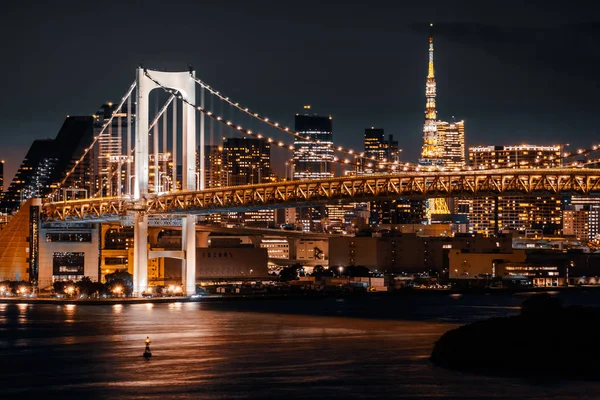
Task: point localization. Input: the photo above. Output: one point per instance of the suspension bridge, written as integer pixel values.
(140, 182)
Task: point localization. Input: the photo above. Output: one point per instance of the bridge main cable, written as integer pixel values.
(289, 131)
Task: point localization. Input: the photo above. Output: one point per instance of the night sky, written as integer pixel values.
(515, 73)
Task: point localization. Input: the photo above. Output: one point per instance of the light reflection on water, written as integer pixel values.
(261, 349)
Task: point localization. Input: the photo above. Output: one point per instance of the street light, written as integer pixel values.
(117, 290)
(69, 290)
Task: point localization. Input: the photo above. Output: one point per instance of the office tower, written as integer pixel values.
(378, 150)
(313, 160)
(581, 217)
(375, 144)
(246, 161)
(48, 161)
(110, 158)
(213, 166)
(488, 215)
(397, 211)
(521, 156)
(451, 137)
(392, 150)
(1, 177)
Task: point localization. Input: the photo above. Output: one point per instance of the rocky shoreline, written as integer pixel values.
(545, 341)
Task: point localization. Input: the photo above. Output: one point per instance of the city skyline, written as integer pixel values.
(470, 70)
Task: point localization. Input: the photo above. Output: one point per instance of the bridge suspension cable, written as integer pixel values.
(340, 148)
(91, 146)
(150, 132)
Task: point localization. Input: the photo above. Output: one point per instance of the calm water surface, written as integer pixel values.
(359, 348)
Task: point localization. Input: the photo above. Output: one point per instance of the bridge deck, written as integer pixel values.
(478, 183)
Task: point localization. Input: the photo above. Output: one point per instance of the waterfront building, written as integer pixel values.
(313, 160)
(18, 243)
(68, 252)
(277, 247)
(471, 265)
(409, 252)
(311, 251)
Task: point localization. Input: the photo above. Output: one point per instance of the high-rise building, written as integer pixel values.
(48, 161)
(213, 166)
(378, 149)
(393, 151)
(451, 137)
(488, 215)
(313, 160)
(110, 158)
(581, 217)
(397, 211)
(375, 148)
(246, 161)
(1, 177)
(521, 156)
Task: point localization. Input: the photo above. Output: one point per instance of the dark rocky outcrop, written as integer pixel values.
(546, 340)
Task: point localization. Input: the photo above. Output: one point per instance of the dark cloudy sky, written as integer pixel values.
(515, 71)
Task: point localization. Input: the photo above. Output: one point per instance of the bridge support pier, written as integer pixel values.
(140, 256)
(188, 242)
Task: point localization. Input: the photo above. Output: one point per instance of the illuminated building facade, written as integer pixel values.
(522, 156)
(313, 160)
(378, 149)
(48, 160)
(277, 247)
(1, 177)
(397, 211)
(247, 161)
(581, 217)
(213, 166)
(259, 218)
(451, 137)
(109, 154)
(490, 215)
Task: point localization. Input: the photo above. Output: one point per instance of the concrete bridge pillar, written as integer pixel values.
(140, 253)
(188, 242)
(202, 239)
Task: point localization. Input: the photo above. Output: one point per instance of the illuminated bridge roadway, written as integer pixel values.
(464, 184)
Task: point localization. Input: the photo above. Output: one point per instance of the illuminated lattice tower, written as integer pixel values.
(431, 153)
